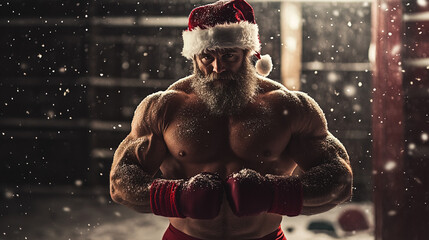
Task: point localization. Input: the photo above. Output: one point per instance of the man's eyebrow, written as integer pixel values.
(228, 50)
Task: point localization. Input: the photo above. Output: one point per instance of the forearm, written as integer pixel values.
(130, 186)
(135, 165)
(324, 170)
(129, 182)
(326, 186)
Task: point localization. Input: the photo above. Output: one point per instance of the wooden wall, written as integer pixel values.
(400, 119)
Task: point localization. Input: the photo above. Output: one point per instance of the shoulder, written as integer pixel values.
(161, 99)
(152, 110)
(182, 85)
(305, 112)
(276, 93)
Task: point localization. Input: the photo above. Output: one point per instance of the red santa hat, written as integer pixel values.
(224, 24)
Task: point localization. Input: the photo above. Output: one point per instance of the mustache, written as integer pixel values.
(220, 76)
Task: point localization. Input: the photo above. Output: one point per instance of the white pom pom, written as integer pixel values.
(264, 65)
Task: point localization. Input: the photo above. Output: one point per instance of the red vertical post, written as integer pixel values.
(387, 123)
(416, 86)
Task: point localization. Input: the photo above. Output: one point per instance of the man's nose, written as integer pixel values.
(218, 65)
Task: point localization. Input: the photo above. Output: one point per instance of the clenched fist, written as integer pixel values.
(250, 193)
(200, 197)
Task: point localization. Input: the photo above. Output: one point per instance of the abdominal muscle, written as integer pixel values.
(228, 226)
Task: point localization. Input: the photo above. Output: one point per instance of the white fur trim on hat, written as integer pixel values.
(242, 35)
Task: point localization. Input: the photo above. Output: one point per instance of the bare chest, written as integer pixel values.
(259, 134)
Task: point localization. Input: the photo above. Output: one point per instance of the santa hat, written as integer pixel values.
(224, 24)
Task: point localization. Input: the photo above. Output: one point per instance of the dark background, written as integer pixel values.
(74, 71)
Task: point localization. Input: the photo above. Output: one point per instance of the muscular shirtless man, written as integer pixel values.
(224, 153)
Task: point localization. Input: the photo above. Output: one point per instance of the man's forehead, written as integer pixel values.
(222, 50)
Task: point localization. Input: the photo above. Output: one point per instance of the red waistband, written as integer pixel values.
(174, 234)
(276, 235)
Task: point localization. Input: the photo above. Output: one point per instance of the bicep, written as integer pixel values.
(145, 153)
(309, 151)
(311, 143)
(138, 158)
(145, 144)
(135, 163)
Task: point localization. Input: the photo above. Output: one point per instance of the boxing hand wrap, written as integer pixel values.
(200, 197)
(250, 193)
(164, 197)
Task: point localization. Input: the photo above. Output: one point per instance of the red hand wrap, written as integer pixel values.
(288, 197)
(163, 197)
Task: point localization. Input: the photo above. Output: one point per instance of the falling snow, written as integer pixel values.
(390, 165)
(72, 78)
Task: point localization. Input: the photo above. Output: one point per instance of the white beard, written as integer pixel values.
(229, 97)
